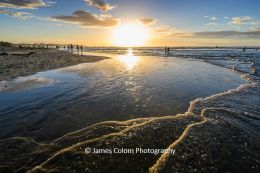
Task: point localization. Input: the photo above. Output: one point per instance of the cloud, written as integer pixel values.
(256, 28)
(87, 19)
(24, 4)
(19, 15)
(213, 18)
(211, 24)
(100, 4)
(168, 32)
(240, 20)
(226, 34)
(212, 21)
(174, 33)
(164, 29)
(256, 22)
(147, 21)
(180, 34)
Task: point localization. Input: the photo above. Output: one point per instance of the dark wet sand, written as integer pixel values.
(23, 62)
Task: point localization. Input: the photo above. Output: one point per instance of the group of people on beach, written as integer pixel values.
(71, 47)
(167, 50)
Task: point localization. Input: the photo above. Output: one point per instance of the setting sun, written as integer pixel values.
(130, 35)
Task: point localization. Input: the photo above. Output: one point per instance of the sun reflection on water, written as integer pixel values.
(129, 59)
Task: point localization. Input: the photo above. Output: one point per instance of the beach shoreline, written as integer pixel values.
(16, 62)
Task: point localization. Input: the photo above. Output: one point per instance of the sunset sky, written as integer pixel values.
(132, 22)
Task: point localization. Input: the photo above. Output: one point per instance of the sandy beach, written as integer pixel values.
(15, 62)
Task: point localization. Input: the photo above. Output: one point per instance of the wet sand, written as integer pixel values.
(16, 62)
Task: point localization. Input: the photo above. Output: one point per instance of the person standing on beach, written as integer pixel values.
(77, 48)
(167, 50)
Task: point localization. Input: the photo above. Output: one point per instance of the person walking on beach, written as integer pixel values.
(77, 48)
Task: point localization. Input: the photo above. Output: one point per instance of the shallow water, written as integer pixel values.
(50, 104)
(218, 133)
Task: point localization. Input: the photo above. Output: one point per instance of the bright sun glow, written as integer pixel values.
(130, 35)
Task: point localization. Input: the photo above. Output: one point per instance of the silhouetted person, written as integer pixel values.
(78, 48)
(244, 49)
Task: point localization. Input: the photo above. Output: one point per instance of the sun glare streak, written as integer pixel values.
(129, 59)
(130, 35)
